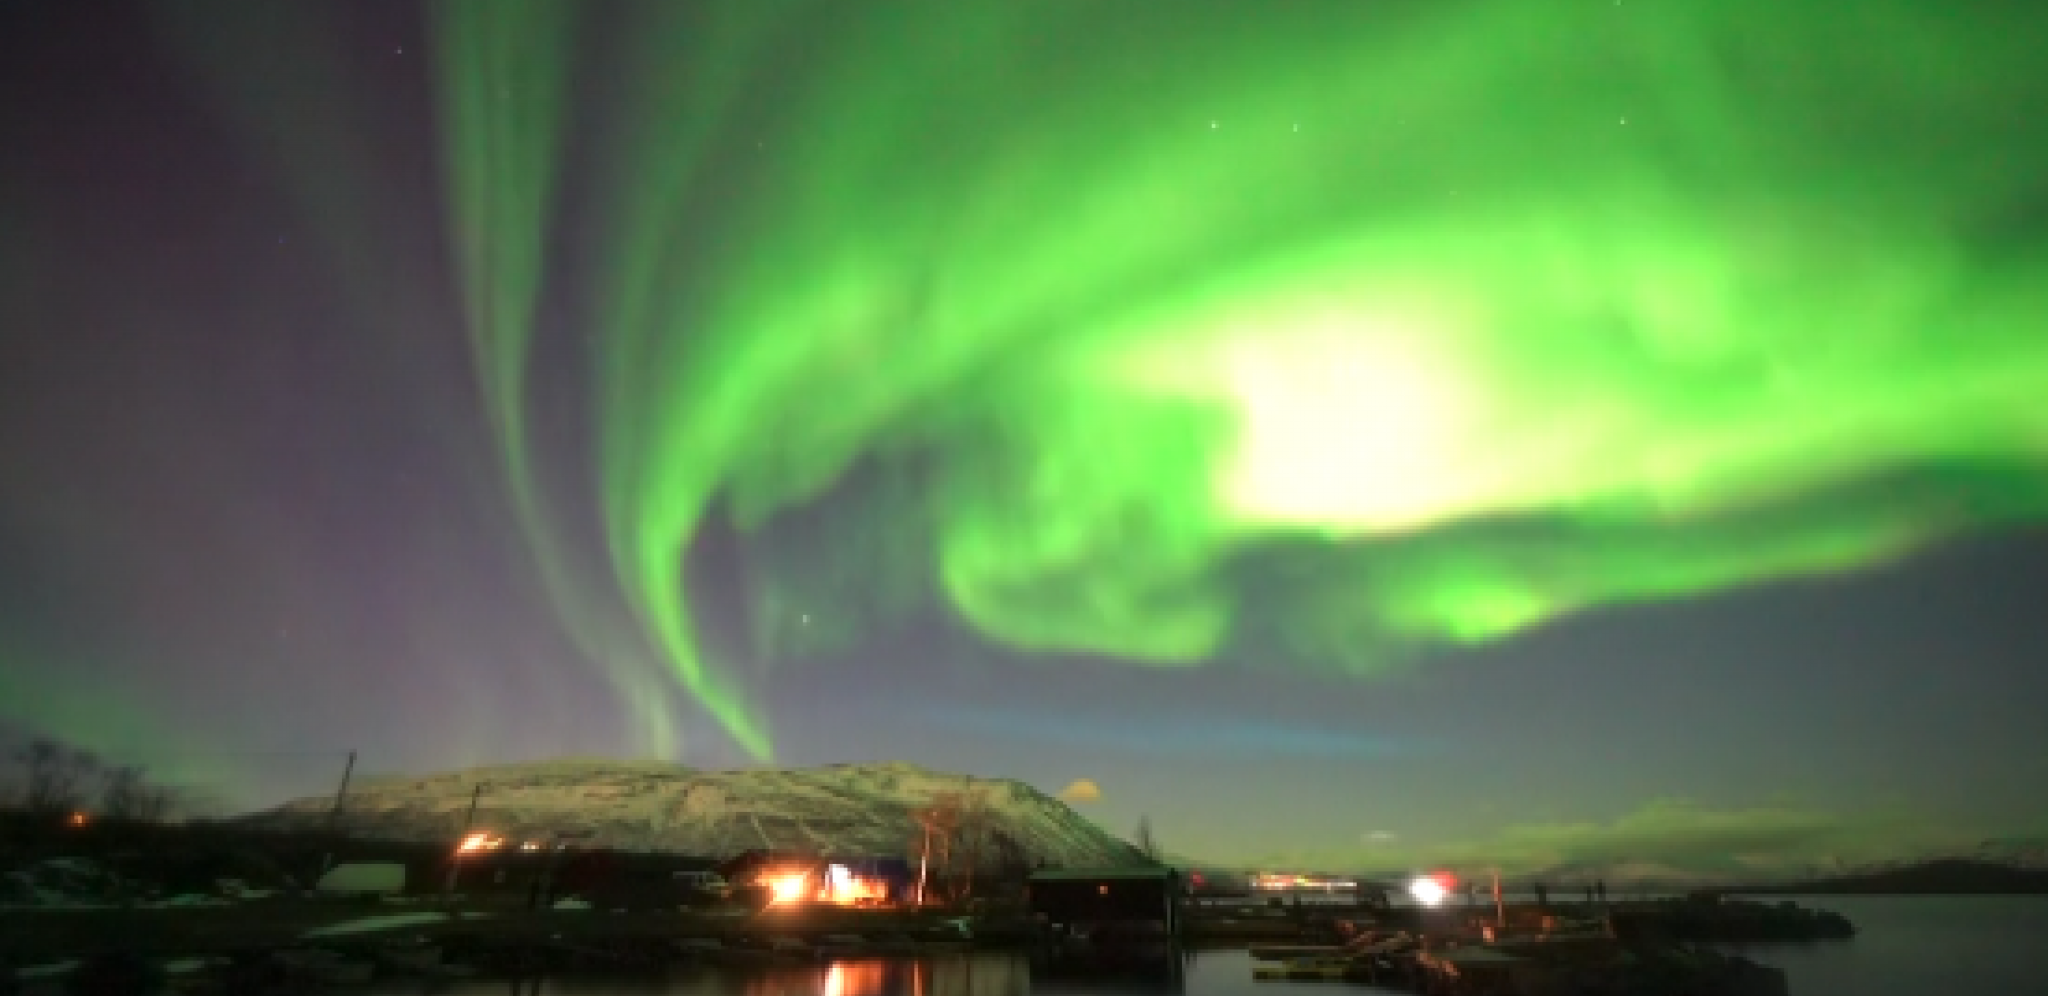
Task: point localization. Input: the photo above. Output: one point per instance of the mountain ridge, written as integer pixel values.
(867, 808)
(1938, 876)
(2004, 864)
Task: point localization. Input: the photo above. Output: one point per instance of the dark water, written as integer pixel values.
(1919, 946)
(1922, 946)
(1201, 973)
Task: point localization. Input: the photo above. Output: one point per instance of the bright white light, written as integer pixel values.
(1427, 891)
(479, 842)
(788, 888)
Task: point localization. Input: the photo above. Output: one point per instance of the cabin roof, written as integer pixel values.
(1135, 873)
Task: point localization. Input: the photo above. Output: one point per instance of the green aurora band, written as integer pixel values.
(1363, 326)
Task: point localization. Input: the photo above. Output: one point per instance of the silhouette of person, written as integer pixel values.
(1600, 889)
(1542, 896)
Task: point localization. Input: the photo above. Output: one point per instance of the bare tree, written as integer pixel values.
(194, 803)
(972, 828)
(126, 793)
(120, 791)
(156, 803)
(54, 776)
(936, 823)
(1145, 844)
(1013, 865)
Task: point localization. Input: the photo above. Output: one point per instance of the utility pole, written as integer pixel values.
(341, 793)
(334, 815)
(1500, 909)
(468, 820)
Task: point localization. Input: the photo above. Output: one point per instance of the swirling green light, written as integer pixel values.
(1151, 289)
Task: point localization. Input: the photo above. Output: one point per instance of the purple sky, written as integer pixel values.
(248, 524)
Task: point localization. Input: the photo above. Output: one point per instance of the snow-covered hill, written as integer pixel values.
(847, 809)
(2020, 854)
(2029, 854)
(1629, 874)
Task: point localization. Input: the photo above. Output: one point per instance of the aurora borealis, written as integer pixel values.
(1153, 389)
(1136, 342)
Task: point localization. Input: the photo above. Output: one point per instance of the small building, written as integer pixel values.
(1103, 903)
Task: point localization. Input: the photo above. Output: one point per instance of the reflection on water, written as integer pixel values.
(962, 976)
(981, 974)
(1908, 946)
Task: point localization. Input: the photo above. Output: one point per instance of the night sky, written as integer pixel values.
(1354, 433)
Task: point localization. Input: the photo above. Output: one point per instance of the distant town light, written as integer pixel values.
(479, 842)
(1283, 881)
(79, 819)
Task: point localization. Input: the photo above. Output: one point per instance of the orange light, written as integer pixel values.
(788, 888)
(838, 885)
(856, 978)
(844, 887)
(79, 819)
(479, 842)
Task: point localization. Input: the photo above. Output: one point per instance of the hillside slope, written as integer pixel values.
(1949, 877)
(849, 809)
